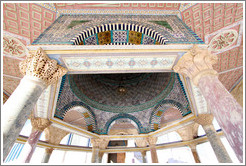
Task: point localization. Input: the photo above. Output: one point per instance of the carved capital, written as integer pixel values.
(188, 132)
(141, 142)
(151, 140)
(104, 143)
(95, 142)
(39, 123)
(101, 143)
(41, 66)
(204, 119)
(196, 63)
(49, 150)
(54, 135)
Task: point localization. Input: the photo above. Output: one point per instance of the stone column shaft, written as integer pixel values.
(144, 156)
(100, 156)
(194, 153)
(95, 155)
(152, 141)
(47, 154)
(39, 71)
(226, 110)
(17, 109)
(29, 147)
(217, 145)
(197, 64)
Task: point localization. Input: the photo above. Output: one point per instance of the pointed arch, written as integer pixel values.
(155, 118)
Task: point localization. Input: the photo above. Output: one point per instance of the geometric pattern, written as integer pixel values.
(119, 33)
(148, 40)
(58, 33)
(26, 19)
(91, 40)
(119, 36)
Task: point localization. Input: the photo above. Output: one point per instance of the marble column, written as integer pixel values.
(100, 156)
(98, 144)
(39, 71)
(194, 152)
(206, 121)
(142, 143)
(53, 135)
(144, 156)
(188, 133)
(152, 141)
(38, 125)
(47, 154)
(197, 65)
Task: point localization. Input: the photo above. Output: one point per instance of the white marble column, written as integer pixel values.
(39, 71)
(47, 154)
(206, 121)
(197, 64)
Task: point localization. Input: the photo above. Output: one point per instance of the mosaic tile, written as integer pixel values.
(91, 40)
(58, 32)
(148, 40)
(119, 36)
(104, 37)
(135, 37)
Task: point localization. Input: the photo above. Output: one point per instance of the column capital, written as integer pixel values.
(188, 132)
(39, 123)
(101, 143)
(39, 65)
(196, 63)
(49, 150)
(104, 143)
(151, 140)
(204, 119)
(54, 135)
(141, 142)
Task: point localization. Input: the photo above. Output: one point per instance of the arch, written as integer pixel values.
(88, 114)
(110, 27)
(125, 116)
(155, 118)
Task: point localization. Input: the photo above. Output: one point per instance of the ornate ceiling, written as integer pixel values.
(104, 98)
(219, 25)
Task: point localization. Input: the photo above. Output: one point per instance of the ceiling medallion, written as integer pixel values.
(223, 40)
(121, 90)
(13, 47)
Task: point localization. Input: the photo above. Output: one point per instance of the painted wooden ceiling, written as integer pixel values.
(26, 21)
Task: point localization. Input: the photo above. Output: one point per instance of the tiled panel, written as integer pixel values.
(11, 67)
(26, 19)
(10, 84)
(228, 79)
(206, 18)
